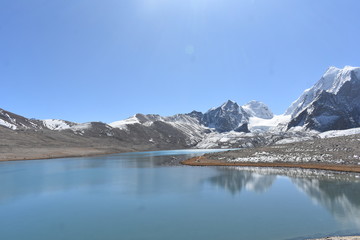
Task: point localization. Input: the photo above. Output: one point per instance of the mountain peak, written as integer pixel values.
(258, 109)
(230, 102)
(346, 68)
(351, 68)
(229, 116)
(229, 105)
(332, 80)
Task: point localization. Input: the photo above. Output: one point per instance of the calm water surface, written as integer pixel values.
(138, 196)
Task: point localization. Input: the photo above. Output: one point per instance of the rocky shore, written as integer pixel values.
(337, 154)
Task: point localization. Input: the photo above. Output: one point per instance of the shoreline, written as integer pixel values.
(200, 161)
(68, 153)
(56, 153)
(339, 238)
(203, 161)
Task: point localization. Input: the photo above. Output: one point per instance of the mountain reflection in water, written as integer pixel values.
(235, 180)
(339, 193)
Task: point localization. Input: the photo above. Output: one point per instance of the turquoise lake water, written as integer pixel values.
(139, 196)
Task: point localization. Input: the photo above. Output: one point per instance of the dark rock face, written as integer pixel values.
(227, 117)
(197, 115)
(242, 128)
(332, 111)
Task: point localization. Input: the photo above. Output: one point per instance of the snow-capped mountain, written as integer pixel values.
(207, 130)
(229, 116)
(331, 82)
(333, 103)
(258, 109)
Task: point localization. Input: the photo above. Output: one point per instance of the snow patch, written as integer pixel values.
(260, 124)
(340, 133)
(123, 123)
(56, 124)
(8, 125)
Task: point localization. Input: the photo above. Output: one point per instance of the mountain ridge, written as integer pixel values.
(333, 103)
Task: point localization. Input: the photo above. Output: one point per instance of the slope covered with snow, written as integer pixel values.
(123, 123)
(340, 133)
(272, 124)
(258, 109)
(57, 124)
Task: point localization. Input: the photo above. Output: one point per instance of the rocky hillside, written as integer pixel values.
(23, 138)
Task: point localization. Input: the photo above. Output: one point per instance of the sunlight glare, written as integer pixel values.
(153, 5)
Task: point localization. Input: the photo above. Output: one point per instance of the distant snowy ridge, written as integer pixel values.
(184, 123)
(229, 116)
(333, 103)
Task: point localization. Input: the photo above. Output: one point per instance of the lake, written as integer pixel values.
(148, 196)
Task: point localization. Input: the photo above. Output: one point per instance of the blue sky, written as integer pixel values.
(90, 60)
